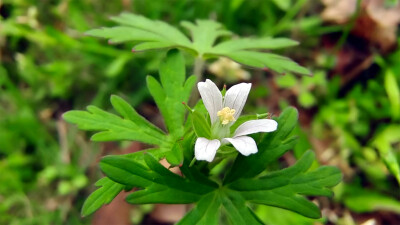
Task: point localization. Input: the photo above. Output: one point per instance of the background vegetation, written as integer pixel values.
(349, 108)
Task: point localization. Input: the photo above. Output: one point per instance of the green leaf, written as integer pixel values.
(287, 81)
(139, 28)
(393, 92)
(236, 209)
(274, 215)
(148, 34)
(109, 188)
(253, 43)
(159, 184)
(383, 142)
(264, 60)
(362, 201)
(272, 146)
(112, 127)
(126, 111)
(193, 173)
(284, 188)
(307, 99)
(104, 195)
(283, 4)
(172, 91)
(175, 156)
(119, 169)
(204, 34)
(150, 46)
(159, 28)
(205, 212)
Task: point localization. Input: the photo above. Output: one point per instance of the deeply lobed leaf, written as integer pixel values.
(149, 34)
(172, 91)
(111, 127)
(204, 212)
(104, 195)
(204, 34)
(109, 188)
(284, 188)
(159, 184)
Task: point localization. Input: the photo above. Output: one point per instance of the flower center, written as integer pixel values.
(226, 115)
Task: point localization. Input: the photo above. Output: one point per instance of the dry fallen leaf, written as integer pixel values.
(375, 22)
(338, 11)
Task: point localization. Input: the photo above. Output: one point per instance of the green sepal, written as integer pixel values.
(200, 125)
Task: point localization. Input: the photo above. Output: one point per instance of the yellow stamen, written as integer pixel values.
(226, 115)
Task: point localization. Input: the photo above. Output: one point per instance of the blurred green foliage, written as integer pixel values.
(48, 66)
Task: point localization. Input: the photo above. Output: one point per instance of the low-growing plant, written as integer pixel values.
(223, 170)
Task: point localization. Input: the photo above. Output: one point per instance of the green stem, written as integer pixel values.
(198, 68)
(198, 72)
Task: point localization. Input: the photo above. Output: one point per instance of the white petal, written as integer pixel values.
(205, 149)
(212, 98)
(245, 145)
(255, 126)
(236, 97)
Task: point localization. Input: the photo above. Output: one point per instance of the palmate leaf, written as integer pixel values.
(204, 34)
(104, 195)
(131, 126)
(108, 188)
(237, 210)
(159, 185)
(172, 91)
(206, 211)
(169, 95)
(284, 188)
(148, 34)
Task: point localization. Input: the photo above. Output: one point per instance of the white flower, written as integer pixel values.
(223, 113)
